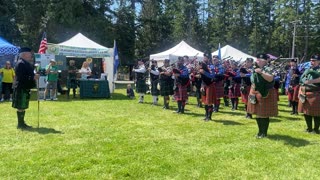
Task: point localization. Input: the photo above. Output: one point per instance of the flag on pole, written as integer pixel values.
(219, 52)
(43, 44)
(115, 58)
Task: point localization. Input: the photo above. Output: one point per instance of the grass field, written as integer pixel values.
(118, 138)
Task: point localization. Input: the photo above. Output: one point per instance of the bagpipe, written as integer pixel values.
(310, 74)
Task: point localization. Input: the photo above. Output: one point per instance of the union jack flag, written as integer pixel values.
(43, 45)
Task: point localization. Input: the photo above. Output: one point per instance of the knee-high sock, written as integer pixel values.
(206, 114)
(316, 123)
(265, 125)
(260, 126)
(308, 120)
(232, 103)
(236, 101)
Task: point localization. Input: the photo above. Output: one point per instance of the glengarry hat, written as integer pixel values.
(263, 56)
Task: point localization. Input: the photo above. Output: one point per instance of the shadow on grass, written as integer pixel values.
(288, 140)
(228, 122)
(43, 130)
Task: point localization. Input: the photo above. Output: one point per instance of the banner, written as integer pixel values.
(77, 51)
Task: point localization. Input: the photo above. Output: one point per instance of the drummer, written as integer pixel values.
(309, 98)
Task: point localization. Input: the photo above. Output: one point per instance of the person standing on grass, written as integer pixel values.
(52, 80)
(154, 78)
(166, 83)
(309, 95)
(219, 85)
(262, 97)
(24, 81)
(8, 75)
(292, 85)
(72, 78)
(141, 86)
(208, 90)
(181, 75)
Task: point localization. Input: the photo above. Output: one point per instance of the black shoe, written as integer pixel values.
(316, 131)
(24, 126)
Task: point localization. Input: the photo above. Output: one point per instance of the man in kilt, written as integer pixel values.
(141, 86)
(154, 78)
(309, 95)
(72, 78)
(234, 87)
(208, 89)
(166, 83)
(24, 81)
(219, 71)
(262, 96)
(181, 75)
(245, 89)
(292, 85)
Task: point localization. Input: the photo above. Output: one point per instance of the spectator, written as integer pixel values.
(8, 75)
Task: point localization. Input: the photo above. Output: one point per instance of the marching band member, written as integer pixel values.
(245, 88)
(262, 96)
(292, 85)
(141, 86)
(226, 82)
(208, 86)
(219, 75)
(166, 83)
(154, 78)
(234, 88)
(309, 95)
(182, 81)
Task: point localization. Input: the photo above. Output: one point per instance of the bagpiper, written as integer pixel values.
(141, 86)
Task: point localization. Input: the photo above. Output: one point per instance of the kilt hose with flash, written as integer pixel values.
(265, 106)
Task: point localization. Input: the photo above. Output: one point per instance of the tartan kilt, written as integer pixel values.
(72, 83)
(265, 107)
(311, 106)
(181, 94)
(219, 89)
(154, 88)
(166, 87)
(244, 97)
(20, 98)
(141, 86)
(234, 92)
(210, 97)
(293, 96)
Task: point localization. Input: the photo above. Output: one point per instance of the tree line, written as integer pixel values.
(144, 27)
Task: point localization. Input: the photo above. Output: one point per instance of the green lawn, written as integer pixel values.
(118, 138)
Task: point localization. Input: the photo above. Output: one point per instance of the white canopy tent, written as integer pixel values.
(232, 53)
(81, 46)
(81, 41)
(180, 49)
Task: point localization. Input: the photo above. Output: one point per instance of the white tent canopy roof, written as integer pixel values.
(82, 41)
(180, 49)
(231, 52)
